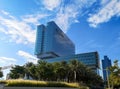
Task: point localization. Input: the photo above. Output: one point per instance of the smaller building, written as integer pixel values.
(90, 59)
(106, 63)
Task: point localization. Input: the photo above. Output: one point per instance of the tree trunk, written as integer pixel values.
(74, 76)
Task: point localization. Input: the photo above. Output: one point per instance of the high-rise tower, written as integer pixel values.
(106, 63)
(51, 42)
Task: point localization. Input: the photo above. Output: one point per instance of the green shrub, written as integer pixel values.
(3, 82)
(32, 83)
(83, 87)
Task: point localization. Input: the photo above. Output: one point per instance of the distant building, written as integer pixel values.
(51, 42)
(8, 76)
(106, 63)
(53, 45)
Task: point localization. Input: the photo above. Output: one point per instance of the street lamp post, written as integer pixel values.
(108, 82)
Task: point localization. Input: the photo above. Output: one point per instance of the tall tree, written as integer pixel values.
(75, 69)
(71, 71)
(44, 70)
(1, 73)
(30, 70)
(17, 72)
(115, 74)
(60, 70)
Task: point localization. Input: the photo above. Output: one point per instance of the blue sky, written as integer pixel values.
(93, 25)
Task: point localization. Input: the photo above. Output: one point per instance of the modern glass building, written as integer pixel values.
(51, 42)
(53, 45)
(106, 63)
(90, 59)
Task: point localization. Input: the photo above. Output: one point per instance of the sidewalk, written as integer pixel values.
(1, 86)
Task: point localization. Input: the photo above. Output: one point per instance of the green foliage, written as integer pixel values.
(115, 74)
(83, 87)
(3, 82)
(30, 70)
(1, 73)
(71, 71)
(17, 72)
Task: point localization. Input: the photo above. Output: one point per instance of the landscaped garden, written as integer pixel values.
(71, 74)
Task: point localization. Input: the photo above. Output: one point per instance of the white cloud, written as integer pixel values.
(65, 12)
(51, 4)
(89, 46)
(108, 10)
(5, 61)
(68, 14)
(34, 19)
(20, 30)
(17, 30)
(76, 21)
(104, 2)
(27, 56)
(2, 30)
(92, 44)
(66, 17)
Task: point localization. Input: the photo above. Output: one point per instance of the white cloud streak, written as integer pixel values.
(51, 4)
(17, 30)
(90, 45)
(4, 61)
(65, 12)
(20, 30)
(34, 19)
(65, 17)
(27, 56)
(108, 10)
(68, 14)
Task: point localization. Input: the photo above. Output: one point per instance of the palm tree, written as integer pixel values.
(64, 70)
(74, 66)
(57, 70)
(29, 70)
(49, 71)
(1, 73)
(115, 74)
(45, 70)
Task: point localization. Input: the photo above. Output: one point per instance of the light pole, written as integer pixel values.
(108, 82)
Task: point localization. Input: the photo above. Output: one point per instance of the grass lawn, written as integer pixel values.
(34, 83)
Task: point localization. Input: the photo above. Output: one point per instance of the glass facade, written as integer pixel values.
(39, 39)
(53, 45)
(90, 59)
(106, 62)
(51, 42)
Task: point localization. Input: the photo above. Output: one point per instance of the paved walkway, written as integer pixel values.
(1, 86)
(36, 88)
